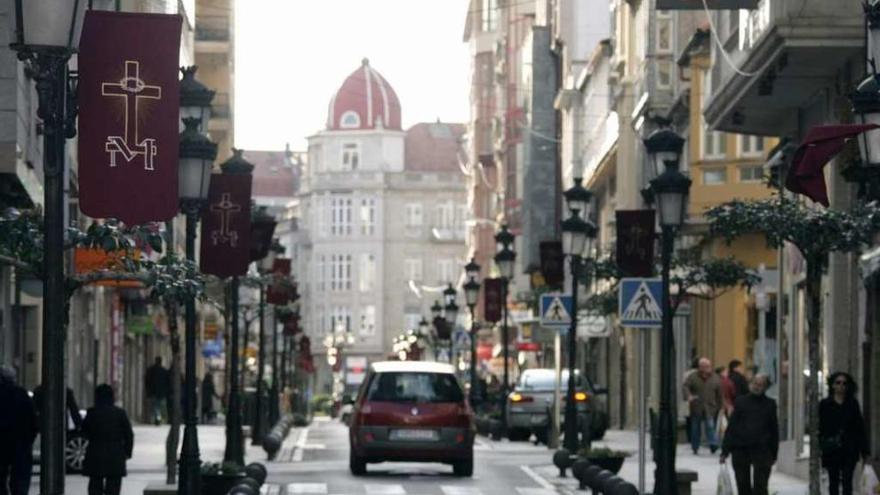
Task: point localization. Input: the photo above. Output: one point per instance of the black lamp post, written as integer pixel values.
(274, 414)
(450, 315)
(439, 324)
(234, 451)
(46, 34)
(504, 259)
(670, 190)
(866, 108)
(262, 229)
(197, 154)
(471, 295)
(578, 233)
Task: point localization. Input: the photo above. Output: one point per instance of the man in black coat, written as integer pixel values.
(752, 438)
(158, 388)
(18, 428)
(111, 441)
(740, 384)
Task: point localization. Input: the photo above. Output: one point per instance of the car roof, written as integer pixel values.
(412, 366)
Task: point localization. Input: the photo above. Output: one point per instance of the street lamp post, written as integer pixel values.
(670, 190)
(234, 450)
(439, 324)
(46, 34)
(505, 258)
(197, 154)
(578, 233)
(450, 316)
(262, 228)
(471, 294)
(276, 249)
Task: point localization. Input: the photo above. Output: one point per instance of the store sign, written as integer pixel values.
(88, 260)
(129, 106)
(703, 4)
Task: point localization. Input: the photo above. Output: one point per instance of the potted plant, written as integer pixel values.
(219, 478)
(605, 458)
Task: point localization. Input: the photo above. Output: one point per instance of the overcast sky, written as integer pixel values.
(292, 56)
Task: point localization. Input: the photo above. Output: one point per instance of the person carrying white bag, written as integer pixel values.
(842, 436)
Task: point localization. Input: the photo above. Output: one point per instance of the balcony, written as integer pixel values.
(795, 49)
(212, 28)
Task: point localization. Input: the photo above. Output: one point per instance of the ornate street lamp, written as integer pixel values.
(195, 98)
(275, 250)
(578, 233)
(472, 295)
(234, 450)
(450, 315)
(504, 259)
(196, 161)
(670, 189)
(46, 34)
(262, 228)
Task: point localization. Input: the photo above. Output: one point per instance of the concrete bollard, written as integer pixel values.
(256, 471)
(577, 470)
(563, 460)
(243, 490)
(600, 480)
(588, 476)
(627, 489)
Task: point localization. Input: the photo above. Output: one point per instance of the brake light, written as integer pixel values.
(581, 396)
(519, 398)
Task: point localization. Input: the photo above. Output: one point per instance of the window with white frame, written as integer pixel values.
(714, 176)
(367, 272)
(340, 319)
(368, 320)
(751, 173)
(489, 14)
(350, 156)
(664, 32)
(350, 120)
(413, 269)
(340, 216)
(445, 216)
(368, 216)
(714, 144)
(413, 218)
(751, 146)
(340, 272)
(664, 73)
(445, 268)
(320, 279)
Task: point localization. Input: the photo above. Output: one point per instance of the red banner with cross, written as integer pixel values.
(226, 226)
(129, 108)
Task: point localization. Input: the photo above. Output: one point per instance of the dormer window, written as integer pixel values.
(350, 120)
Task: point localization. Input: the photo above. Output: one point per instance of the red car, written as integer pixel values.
(411, 411)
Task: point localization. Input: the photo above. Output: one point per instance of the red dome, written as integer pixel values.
(365, 101)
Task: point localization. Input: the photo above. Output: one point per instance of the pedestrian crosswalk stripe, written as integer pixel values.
(535, 491)
(270, 489)
(310, 488)
(461, 490)
(384, 490)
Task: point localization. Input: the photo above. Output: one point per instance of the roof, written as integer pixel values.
(433, 147)
(364, 101)
(412, 366)
(275, 174)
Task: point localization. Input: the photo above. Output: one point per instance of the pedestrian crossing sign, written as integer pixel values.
(639, 302)
(556, 310)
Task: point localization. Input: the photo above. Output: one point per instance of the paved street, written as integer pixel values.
(314, 461)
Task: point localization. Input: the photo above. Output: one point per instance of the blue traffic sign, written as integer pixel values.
(639, 302)
(556, 310)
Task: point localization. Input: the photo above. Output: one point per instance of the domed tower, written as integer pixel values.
(364, 101)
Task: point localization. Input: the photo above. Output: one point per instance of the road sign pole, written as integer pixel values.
(643, 404)
(553, 441)
(571, 436)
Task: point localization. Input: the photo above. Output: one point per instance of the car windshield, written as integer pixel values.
(544, 380)
(414, 387)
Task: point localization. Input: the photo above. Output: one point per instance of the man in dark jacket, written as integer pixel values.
(18, 427)
(752, 438)
(158, 388)
(111, 441)
(740, 384)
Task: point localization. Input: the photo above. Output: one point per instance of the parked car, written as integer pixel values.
(74, 449)
(411, 411)
(530, 403)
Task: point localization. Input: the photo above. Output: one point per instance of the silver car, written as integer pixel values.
(530, 404)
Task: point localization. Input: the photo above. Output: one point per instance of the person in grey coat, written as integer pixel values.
(111, 440)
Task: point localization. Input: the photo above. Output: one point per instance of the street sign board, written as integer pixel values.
(639, 302)
(556, 310)
(461, 340)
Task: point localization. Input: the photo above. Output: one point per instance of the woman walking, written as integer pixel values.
(841, 433)
(111, 440)
(209, 393)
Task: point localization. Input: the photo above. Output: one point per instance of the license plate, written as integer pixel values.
(417, 435)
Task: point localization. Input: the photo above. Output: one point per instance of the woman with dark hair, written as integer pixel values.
(111, 440)
(841, 432)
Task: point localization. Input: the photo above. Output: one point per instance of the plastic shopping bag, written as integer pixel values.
(725, 485)
(870, 484)
(721, 424)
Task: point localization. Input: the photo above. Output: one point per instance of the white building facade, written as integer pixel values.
(380, 207)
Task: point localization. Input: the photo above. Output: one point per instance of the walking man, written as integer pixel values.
(18, 428)
(752, 438)
(703, 393)
(158, 386)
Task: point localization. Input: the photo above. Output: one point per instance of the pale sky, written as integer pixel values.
(292, 56)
